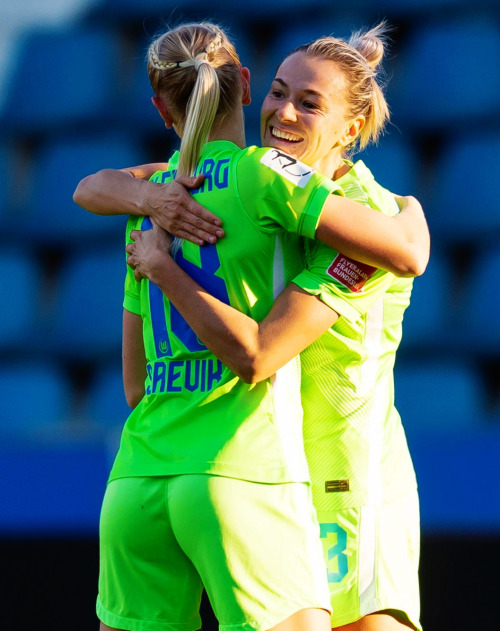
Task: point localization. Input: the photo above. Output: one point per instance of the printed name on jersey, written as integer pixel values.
(296, 172)
(176, 375)
(216, 175)
(350, 273)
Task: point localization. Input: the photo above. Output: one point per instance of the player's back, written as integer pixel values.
(205, 419)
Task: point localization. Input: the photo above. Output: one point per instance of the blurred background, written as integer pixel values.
(74, 98)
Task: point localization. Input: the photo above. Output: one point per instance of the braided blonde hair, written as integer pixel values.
(195, 69)
(358, 59)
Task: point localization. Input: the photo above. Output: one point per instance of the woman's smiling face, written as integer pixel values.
(304, 113)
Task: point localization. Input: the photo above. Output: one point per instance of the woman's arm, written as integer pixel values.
(399, 244)
(128, 192)
(252, 350)
(116, 192)
(133, 358)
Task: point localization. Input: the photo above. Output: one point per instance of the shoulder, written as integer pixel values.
(269, 165)
(360, 184)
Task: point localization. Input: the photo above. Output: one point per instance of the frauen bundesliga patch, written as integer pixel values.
(293, 170)
(350, 273)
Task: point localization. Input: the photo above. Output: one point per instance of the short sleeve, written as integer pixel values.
(279, 190)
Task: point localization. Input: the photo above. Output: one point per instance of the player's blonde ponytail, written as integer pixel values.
(195, 69)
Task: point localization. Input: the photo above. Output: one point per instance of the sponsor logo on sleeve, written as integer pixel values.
(350, 273)
(293, 170)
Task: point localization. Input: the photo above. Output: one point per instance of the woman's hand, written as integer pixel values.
(129, 192)
(148, 252)
(176, 210)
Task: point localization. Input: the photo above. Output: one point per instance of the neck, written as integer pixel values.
(231, 128)
(331, 165)
(342, 170)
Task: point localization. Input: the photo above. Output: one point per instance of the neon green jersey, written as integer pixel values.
(355, 443)
(197, 416)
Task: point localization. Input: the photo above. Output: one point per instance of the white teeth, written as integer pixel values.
(277, 133)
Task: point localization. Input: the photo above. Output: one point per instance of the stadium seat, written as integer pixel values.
(445, 77)
(411, 8)
(19, 306)
(61, 78)
(50, 217)
(36, 399)
(128, 10)
(106, 406)
(394, 164)
(137, 110)
(86, 317)
(465, 187)
(4, 182)
(439, 395)
(427, 320)
(477, 315)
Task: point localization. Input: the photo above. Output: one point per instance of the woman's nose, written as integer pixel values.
(287, 112)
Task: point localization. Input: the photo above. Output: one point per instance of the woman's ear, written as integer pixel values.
(246, 98)
(163, 111)
(353, 129)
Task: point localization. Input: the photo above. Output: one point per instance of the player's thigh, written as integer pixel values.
(372, 560)
(377, 622)
(256, 547)
(305, 620)
(144, 574)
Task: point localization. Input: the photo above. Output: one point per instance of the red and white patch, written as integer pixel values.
(350, 273)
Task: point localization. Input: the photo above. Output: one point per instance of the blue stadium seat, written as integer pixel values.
(427, 319)
(4, 182)
(36, 399)
(128, 10)
(478, 312)
(137, 109)
(412, 8)
(106, 405)
(465, 187)
(445, 75)
(19, 306)
(87, 312)
(439, 395)
(60, 78)
(394, 164)
(50, 216)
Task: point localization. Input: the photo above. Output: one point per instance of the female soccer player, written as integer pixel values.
(363, 482)
(167, 376)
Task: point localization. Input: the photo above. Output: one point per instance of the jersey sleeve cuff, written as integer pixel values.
(308, 282)
(132, 304)
(310, 219)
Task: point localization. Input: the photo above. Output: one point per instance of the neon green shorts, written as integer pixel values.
(254, 547)
(372, 556)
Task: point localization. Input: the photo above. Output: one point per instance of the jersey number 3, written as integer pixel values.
(336, 553)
